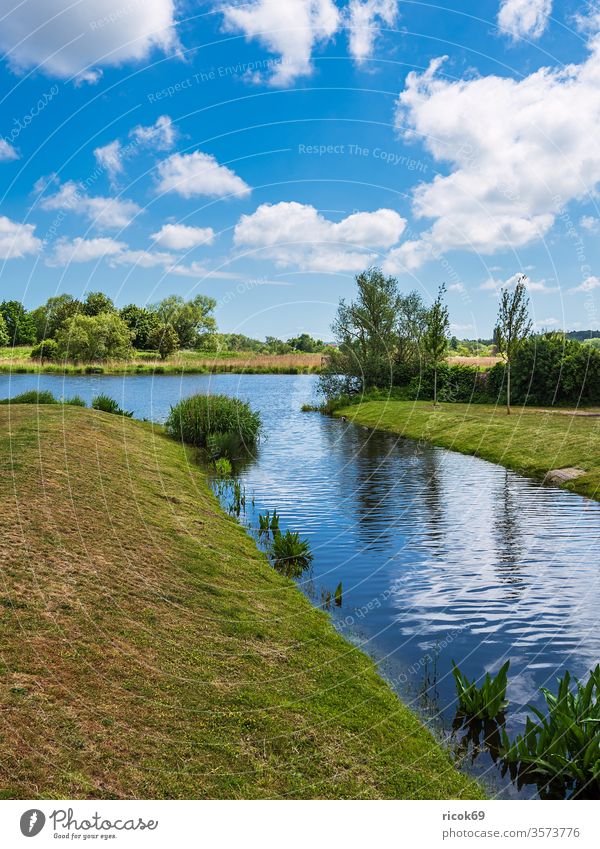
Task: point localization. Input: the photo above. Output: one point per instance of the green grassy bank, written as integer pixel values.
(530, 441)
(148, 649)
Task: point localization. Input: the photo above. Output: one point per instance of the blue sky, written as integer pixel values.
(264, 153)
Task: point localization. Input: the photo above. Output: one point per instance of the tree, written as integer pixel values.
(47, 349)
(435, 338)
(366, 333)
(88, 338)
(97, 302)
(188, 318)
(412, 318)
(50, 317)
(19, 323)
(513, 326)
(142, 322)
(277, 346)
(165, 340)
(4, 337)
(306, 344)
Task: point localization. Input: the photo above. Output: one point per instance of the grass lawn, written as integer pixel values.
(148, 650)
(530, 441)
(182, 362)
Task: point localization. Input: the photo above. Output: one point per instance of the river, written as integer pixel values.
(441, 556)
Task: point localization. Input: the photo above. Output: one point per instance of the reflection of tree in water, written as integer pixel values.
(378, 476)
(435, 513)
(508, 534)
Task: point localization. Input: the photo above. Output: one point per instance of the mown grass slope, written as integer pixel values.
(148, 649)
(530, 441)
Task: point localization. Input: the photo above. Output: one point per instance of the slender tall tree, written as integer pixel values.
(513, 326)
(435, 338)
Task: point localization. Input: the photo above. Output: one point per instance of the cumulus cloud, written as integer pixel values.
(545, 323)
(524, 18)
(517, 156)
(104, 212)
(17, 240)
(295, 234)
(144, 259)
(539, 286)
(590, 223)
(110, 159)
(83, 250)
(197, 173)
(588, 285)
(66, 39)
(159, 136)
(289, 28)
(181, 237)
(365, 17)
(7, 151)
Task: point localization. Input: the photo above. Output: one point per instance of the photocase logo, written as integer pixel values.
(32, 822)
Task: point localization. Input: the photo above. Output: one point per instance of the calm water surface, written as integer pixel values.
(441, 556)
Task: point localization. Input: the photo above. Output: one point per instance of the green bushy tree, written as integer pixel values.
(435, 336)
(164, 339)
(4, 337)
(85, 338)
(18, 322)
(512, 328)
(188, 318)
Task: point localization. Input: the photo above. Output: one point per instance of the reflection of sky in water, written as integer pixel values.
(435, 548)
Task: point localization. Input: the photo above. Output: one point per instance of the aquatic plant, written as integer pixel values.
(291, 555)
(223, 467)
(106, 404)
(487, 701)
(227, 445)
(268, 522)
(198, 419)
(565, 744)
(337, 596)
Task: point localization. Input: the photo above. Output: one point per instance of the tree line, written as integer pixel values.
(390, 340)
(93, 329)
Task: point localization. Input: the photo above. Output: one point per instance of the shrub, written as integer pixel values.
(87, 338)
(485, 702)
(106, 404)
(566, 743)
(47, 349)
(455, 383)
(75, 401)
(200, 419)
(31, 397)
(291, 555)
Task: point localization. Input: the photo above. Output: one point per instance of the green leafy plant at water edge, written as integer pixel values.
(337, 596)
(565, 744)
(485, 702)
(268, 522)
(197, 420)
(228, 445)
(291, 555)
(223, 467)
(106, 404)
(75, 401)
(31, 397)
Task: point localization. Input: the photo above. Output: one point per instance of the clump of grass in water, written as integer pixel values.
(291, 555)
(205, 420)
(268, 523)
(106, 404)
(485, 702)
(565, 744)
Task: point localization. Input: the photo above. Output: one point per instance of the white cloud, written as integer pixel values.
(17, 240)
(7, 151)
(159, 136)
(67, 39)
(516, 154)
(198, 173)
(83, 250)
(539, 286)
(181, 237)
(295, 234)
(365, 17)
(110, 158)
(524, 18)
(588, 222)
(289, 28)
(104, 212)
(144, 259)
(457, 287)
(588, 285)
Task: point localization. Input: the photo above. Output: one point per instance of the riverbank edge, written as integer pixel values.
(343, 697)
(531, 441)
(125, 371)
